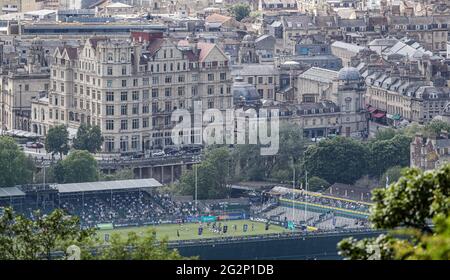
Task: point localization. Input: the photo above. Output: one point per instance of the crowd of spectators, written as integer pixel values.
(328, 201)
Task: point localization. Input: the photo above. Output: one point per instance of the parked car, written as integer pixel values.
(34, 145)
(158, 153)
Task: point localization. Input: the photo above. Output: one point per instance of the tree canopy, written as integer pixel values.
(240, 11)
(212, 175)
(88, 138)
(136, 247)
(77, 167)
(15, 167)
(25, 239)
(409, 204)
(340, 159)
(57, 140)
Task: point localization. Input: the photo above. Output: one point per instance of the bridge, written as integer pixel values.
(165, 169)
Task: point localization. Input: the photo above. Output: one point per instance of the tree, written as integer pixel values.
(212, 175)
(435, 127)
(88, 138)
(393, 174)
(340, 159)
(240, 11)
(15, 167)
(388, 153)
(409, 203)
(121, 174)
(253, 166)
(78, 166)
(57, 140)
(385, 134)
(25, 239)
(316, 184)
(135, 247)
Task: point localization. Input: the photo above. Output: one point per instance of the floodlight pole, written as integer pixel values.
(293, 190)
(306, 195)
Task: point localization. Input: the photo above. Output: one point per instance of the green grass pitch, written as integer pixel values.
(190, 230)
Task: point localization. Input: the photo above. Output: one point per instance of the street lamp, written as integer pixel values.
(196, 161)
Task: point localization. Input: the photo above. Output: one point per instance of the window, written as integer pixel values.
(155, 80)
(135, 95)
(124, 124)
(109, 124)
(223, 76)
(135, 123)
(135, 82)
(124, 70)
(210, 90)
(145, 81)
(124, 83)
(155, 107)
(109, 83)
(210, 77)
(180, 91)
(168, 79)
(109, 96)
(124, 110)
(110, 110)
(134, 142)
(155, 93)
(109, 71)
(145, 109)
(123, 96)
(168, 106)
(135, 109)
(168, 92)
(145, 122)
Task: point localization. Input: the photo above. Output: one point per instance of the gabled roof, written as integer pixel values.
(155, 45)
(72, 52)
(205, 49)
(94, 41)
(217, 18)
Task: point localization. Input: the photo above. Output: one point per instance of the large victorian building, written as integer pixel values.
(131, 87)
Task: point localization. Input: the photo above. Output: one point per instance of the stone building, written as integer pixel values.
(430, 153)
(19, 85)
(130, 88)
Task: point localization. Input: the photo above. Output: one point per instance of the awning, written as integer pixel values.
(108, 185)
(379, 115)
(10, 192)
(371, 109)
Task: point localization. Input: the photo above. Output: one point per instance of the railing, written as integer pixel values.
(102, 163)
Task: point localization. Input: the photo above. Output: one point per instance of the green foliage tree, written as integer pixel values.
(393, 173)
(121, 174)
(316, 184)
(15, 167)
(135, 247)
(78, 166)
(385, 134)
(435, 127)
(252, 166)
(409, 203)
(339, 159)
(88, 138)
(57, 140)
(212, 175)
(25, 239)
(388, 153)
(240, 11)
